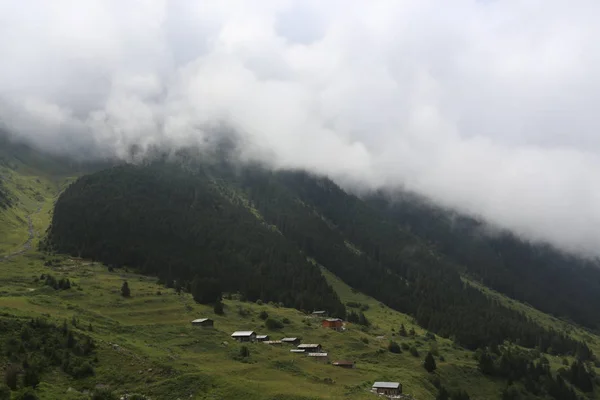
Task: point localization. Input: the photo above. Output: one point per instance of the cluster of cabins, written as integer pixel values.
(312, 350)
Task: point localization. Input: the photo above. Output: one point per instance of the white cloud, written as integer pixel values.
(485, 106)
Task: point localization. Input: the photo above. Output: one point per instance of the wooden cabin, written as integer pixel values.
(203, 322)
(387, 388)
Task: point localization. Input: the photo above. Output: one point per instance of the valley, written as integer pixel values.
(146, 343)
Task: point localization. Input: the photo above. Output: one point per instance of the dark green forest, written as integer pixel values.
(555, 283)
(177, 225)
(197, 225)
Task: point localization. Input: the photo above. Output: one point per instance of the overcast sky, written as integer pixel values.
(489, 106)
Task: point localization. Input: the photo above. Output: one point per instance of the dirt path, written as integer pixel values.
(27, 244)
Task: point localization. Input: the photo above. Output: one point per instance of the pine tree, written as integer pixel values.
(125, 292)
(402, 331)
(429, 363)
(218, 308)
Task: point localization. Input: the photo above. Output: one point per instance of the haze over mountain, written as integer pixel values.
(487, 107)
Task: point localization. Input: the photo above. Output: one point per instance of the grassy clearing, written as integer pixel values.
(157, 347)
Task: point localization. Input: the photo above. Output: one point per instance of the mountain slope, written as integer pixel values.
(181, 224)
(556, 283)
(178, 225)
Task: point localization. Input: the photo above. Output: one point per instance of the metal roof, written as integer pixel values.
(201, 320)
(296, 351)
(333, 319)
(242, 333)
(386, 385)
(289, 339)
(319, 312)
(317, 354)
(272, 342)
(308, 346)
(343, 362)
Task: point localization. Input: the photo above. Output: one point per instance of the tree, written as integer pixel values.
(394, 348)
(218, 308)
(412, 331)
(460, 394)
(206, 290)
(125, 292)
(263, 315)
(402, 331)
(429, 363)
(244, 352)
(486, 363)
(442, 394)
(273, 324)
(11, 376)
(4, 392)
(362, 320)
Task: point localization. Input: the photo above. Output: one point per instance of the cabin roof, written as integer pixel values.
(200, 320)
(242, 333)
(386, 385)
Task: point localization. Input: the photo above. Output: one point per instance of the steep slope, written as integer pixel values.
(562, 285)
(178, 225)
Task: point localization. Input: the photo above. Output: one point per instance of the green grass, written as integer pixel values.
(154, 332)
(146, 343)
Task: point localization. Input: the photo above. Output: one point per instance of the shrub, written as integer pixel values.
(286, 321)
(4, 392)
(273, 324)
(414, 352)
(405, 346)
(218, 308)
(125, 291)
(11, 376)
(394, 348)
(429, 363)
(263, 315)
(104, 394)
(365, 340)
(244, 352)
(26, 394)
(259, 302)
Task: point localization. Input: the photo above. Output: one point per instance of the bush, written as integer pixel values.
(286, 321)
(125, 291)
(414, 352)
(11, 376)
(429, 363)
(104, 394)
(273, 324)
(136, 396)
(263, 315)
(218, 308)
(394, 348)
(259, 302)
(405, 346)
(365, 340)
(4, 392)
(244, 352)
(26, 394)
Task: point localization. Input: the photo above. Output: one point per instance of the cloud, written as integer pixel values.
(488, 107)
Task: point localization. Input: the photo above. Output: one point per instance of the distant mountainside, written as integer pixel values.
(254, 230)
(556, 283)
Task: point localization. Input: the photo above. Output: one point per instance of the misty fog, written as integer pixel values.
(488, 106)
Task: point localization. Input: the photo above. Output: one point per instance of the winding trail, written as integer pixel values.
(27, 245)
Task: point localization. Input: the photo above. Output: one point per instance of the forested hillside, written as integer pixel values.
(556, 283)
(179, 226)
(253, 230)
